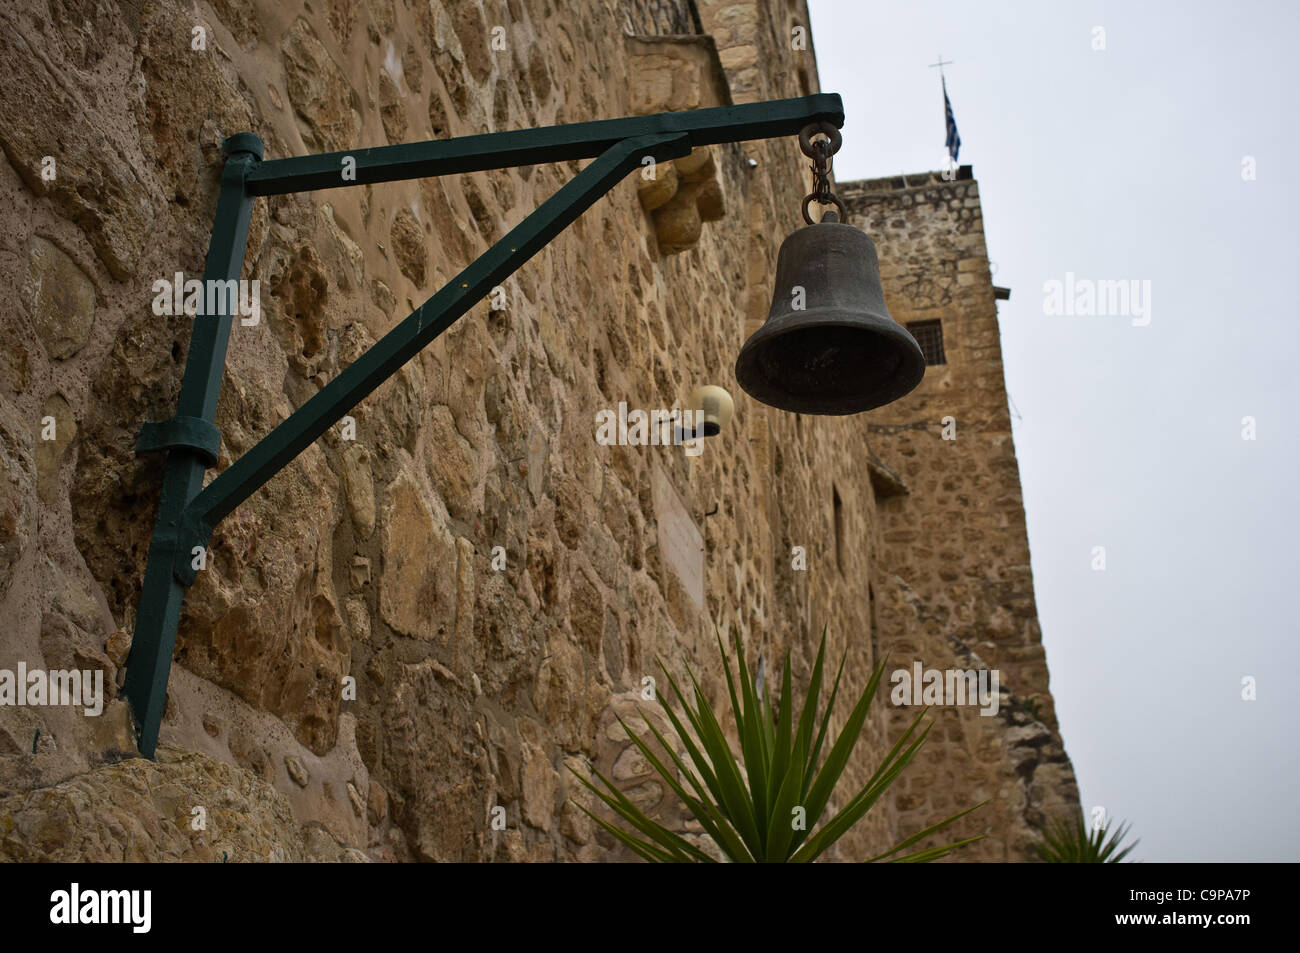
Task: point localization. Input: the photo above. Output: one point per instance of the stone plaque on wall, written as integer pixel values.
(680, 544)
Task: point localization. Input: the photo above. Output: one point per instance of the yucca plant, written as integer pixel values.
(762, 805)
(1072, 842)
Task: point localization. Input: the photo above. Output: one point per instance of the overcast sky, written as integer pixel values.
(1127, 163)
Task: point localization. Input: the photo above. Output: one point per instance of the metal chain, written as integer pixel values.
(821, 151)
(821, 169)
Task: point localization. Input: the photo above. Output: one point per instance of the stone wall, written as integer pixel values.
(373, 558)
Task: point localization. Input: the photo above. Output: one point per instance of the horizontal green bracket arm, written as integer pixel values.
(293, 435)
(503, 150)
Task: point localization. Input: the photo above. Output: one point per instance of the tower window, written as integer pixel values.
(929, 334)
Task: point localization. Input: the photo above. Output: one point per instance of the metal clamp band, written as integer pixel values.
(194, 434)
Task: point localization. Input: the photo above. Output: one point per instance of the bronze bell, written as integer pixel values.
(842, 353)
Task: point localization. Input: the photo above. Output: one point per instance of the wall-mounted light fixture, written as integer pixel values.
(851, 360)
(710, 409)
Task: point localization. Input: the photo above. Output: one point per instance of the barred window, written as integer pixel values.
(929, 334)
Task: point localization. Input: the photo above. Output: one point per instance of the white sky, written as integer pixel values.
(1127, 164)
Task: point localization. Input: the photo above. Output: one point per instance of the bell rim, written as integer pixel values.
(830, 317)
(905, 380)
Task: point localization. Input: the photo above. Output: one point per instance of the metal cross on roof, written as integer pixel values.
(941, 64)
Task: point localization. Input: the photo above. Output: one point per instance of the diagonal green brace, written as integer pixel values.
(425, 323)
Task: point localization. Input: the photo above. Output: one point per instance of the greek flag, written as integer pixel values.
(953, 141)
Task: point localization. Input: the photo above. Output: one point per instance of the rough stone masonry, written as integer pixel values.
(372, 561)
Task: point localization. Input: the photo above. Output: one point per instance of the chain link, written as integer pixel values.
(821, 151)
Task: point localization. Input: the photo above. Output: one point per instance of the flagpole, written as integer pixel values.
(952, 141)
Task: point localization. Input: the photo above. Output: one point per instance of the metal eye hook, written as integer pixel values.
(819, 128)
(833, 200)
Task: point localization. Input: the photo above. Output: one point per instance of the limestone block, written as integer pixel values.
(664, 86)
(417, 588)
(347, 262)
(539, 777)
(95, 183)
(408, 246)
(657, 190)
(60, 299)
(57, 431)
(697, 165)
(138, 810)
(392, 111)
(302, 291)
(18, 482)
(566, 696)
(709, 200)
(431, 759)
(452, 462)
(359, 487)
(678, 223)
(318, 90)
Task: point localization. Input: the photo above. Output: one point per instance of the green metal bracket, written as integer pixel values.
(195, 434)
(188, 511)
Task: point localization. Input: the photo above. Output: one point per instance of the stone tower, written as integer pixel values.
(952, 585)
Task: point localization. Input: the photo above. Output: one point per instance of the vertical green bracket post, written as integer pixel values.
(149, 663)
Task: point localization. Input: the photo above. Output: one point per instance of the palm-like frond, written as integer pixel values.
(1072, 842)
(765, 813)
